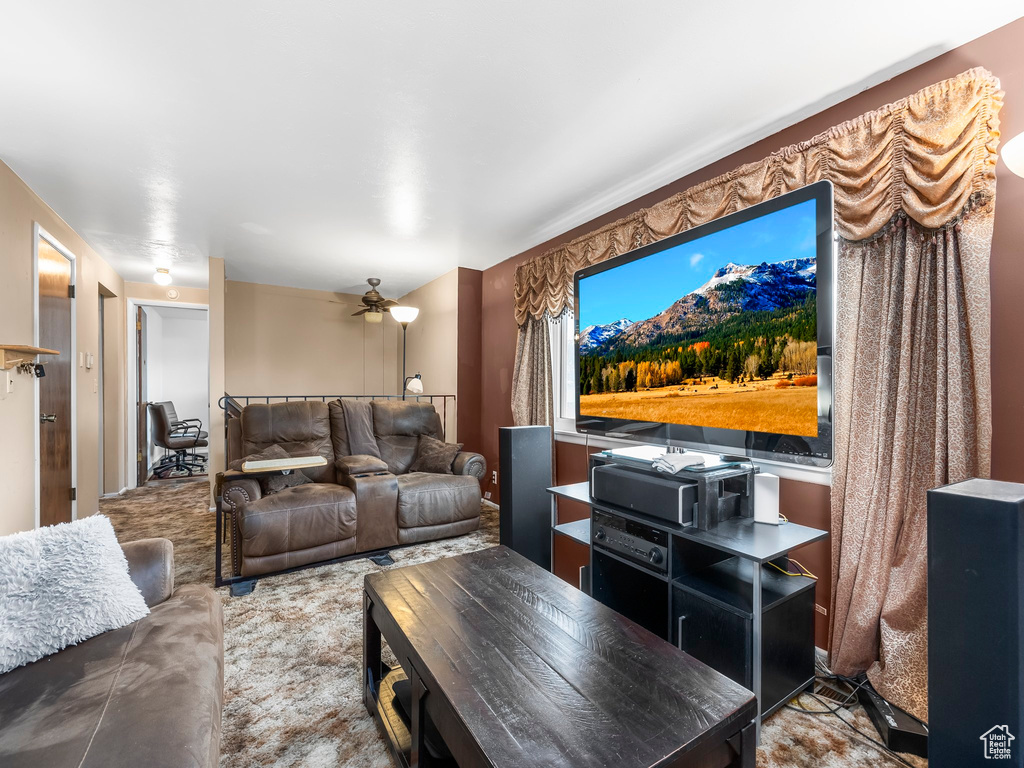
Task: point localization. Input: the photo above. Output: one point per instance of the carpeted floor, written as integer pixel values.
(293, 649)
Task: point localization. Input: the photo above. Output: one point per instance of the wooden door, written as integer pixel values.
(55, 307)
(141, 406)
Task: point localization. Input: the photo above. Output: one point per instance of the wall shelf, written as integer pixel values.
(13, 355)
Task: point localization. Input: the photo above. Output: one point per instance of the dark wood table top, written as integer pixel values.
(542, 674)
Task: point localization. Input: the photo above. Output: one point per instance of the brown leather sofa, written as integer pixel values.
(364, 499)
(147, 694)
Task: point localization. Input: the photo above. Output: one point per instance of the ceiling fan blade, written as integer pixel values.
(389, 303)
(360, 312)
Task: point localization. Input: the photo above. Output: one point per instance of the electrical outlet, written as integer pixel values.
(487, 495)
(494, 476)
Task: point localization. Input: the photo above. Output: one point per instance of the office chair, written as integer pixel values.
(179, 436)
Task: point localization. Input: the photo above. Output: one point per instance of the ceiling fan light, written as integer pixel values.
(404, 314)
(374, 317)
(162, 276)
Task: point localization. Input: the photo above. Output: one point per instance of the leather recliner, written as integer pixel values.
(364, 499)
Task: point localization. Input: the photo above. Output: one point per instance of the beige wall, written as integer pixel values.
(284, 341)
(19, 209)
(113, 394)
(433, 341)
(152, 292)
(432, 348)
(216, 419)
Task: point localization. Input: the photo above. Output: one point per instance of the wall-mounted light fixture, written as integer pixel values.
(162, 276)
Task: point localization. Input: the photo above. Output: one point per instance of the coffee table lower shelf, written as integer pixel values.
(390, 723)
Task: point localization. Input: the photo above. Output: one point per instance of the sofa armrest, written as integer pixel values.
(151, 567)
(238, 489)
(359, 464)
(469, 463)
(377, 509)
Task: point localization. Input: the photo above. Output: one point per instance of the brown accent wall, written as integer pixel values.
(1000, 52)
(468, 405)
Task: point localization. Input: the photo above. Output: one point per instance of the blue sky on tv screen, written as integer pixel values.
(645, 287)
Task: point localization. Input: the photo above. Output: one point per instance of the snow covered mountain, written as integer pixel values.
(733, 289)
(595, 335)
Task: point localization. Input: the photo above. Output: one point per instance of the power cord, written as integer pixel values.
(856, 685)
(802, 572)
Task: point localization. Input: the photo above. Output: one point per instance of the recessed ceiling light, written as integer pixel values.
(162, 276)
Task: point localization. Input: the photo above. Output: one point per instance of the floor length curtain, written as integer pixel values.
(532, 398)
(913, 409)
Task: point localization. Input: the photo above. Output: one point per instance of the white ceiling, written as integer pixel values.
(317, 143)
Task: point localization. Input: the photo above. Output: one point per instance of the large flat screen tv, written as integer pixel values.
(718, 338)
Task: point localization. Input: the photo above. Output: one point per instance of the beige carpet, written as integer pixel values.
(293, 651)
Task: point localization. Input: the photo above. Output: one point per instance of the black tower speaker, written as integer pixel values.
(524, 459)
(975, 685)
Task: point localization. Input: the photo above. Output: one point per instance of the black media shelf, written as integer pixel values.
(730, 585)
(702, 598)
(578, 530)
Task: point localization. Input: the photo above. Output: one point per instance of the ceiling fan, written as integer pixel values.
(375, 305)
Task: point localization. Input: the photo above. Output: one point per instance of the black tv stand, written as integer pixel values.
(715, 598)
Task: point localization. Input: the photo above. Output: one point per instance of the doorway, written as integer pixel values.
(54, 268)
(170, 351)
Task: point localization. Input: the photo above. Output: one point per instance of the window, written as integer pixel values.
(563, 371)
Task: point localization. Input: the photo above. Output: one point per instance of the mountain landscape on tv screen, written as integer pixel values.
(740, 352)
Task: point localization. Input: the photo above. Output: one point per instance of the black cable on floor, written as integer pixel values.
(835, 711)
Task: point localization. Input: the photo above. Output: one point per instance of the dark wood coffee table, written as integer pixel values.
(514, 667)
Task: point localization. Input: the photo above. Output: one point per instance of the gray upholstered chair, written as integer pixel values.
(179, 438)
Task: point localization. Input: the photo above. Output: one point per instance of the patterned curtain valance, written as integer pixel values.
(926, 156)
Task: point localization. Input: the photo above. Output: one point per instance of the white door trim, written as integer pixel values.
(39, 233)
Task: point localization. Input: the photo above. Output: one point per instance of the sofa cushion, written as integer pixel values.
(339, 430)
(301, 427)
(433, 455)
(358, 418)
(297, 518)
(147, 694)
(60, 585)
(429, 499)
(398, 425)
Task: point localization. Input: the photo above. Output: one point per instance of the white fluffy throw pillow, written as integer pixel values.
(61, 585)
